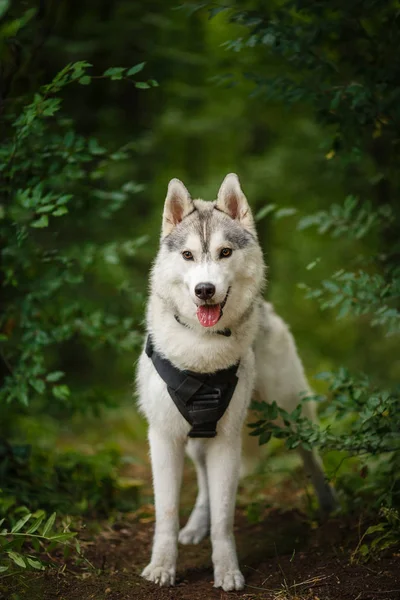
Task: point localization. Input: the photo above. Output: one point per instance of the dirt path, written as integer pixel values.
(284, 557)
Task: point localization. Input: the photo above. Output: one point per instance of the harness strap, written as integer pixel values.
(201, 398)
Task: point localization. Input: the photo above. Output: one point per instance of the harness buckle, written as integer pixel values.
(211, 396)
(198, 432)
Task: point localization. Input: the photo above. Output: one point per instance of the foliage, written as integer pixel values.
(374, 292)
(360, 419)
(385, 534)
(365, 419)
(59, 191)
(69, 481)
(335, 58)
(54, 182)
(31, 535)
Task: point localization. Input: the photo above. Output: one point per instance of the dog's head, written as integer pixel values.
(210, 268)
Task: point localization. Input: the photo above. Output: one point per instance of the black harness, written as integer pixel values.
(201, 398)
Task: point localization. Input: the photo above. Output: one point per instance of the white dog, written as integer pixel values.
(213, 343)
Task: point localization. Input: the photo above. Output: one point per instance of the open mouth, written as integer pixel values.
(209, 314)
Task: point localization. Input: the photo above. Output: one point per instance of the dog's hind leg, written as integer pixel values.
(198, 524)
(281, 378)
(314, 469)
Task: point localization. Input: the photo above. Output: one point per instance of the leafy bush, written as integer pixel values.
(335, 59)
(30, 536)
(54, 187)
(70, 482)
(381, 536)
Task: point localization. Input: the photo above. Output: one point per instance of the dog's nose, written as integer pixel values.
(204, 291)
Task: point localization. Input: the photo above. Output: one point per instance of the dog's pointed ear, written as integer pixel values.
(178, 204)
(232, 201)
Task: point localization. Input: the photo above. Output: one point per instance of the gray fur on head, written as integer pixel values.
(202, 218)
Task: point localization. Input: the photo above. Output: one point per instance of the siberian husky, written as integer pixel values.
(206, 315)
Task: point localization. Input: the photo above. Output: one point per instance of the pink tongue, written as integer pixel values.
(209, 315)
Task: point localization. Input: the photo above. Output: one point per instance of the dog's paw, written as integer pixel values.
(163, 576)
(228, 580)
(193, 535)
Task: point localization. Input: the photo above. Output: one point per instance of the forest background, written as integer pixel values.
(101, 104)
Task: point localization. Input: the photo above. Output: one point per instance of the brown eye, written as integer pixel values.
(225, 252)
(187, 255)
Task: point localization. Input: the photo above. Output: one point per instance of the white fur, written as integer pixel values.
(269, 367)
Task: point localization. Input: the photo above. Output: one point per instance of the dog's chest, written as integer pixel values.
(157, 405)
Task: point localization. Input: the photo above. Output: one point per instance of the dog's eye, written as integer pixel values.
(225, 252)
(187, 255)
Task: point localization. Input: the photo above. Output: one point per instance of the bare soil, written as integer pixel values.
(283, 557)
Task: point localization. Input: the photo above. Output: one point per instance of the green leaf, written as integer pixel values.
(38, 385)
(40, 223)
(36, 524)
(45, 208)
(114, 72)
(49, 524)
(136, 69)
(336, 100)
(11, 28)
(55, 376)
(263, 212)
(142, 85)
(256, 424)
(64, 199)
(273, 411)
(17, 558)
(375, 528)
(312, 264)
(213, 12)
(35, 564)
(264, 438)
(296, 412)
(61, 391)
(3, 568)
(62, 210)
(19, 524)
(257, 432)
(51, 107)
(4, 4)
(285, 212)
(95, 148)
(85, 80)
(118, 156)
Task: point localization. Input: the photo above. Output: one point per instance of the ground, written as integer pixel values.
(284, 553)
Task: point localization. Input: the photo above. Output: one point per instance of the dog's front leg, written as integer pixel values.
(167, 463)
(223, 463)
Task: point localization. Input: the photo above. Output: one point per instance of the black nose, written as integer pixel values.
(205, 291)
